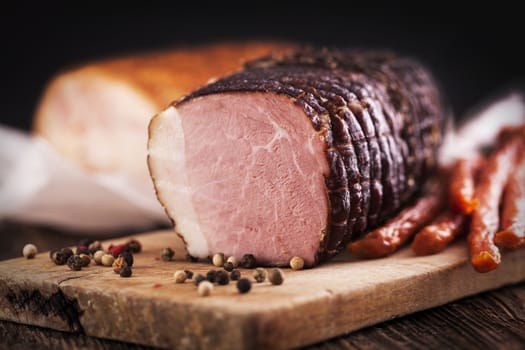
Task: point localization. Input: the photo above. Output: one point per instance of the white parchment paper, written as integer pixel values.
(39, 186)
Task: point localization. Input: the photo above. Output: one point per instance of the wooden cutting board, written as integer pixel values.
(311, 305)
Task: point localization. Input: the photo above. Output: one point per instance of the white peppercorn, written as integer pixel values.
(107, 259)
(296, 263)
(205, 288)
(29, 251)
(180, 276)
(218, 259)
(98, 257)
(95, 247)
(233, 261)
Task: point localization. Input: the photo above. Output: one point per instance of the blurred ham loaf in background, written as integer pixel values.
(97, 115)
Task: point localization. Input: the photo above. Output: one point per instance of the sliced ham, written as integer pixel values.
(295, 155)
(97, 115)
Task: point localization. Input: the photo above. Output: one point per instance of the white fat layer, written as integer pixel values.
(168, 169)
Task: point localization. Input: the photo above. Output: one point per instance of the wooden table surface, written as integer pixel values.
(492, 320)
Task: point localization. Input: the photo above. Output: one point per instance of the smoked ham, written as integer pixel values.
(97, 115)
(296, 155)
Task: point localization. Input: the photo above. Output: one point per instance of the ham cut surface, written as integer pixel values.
(296, 155)
(97, 115)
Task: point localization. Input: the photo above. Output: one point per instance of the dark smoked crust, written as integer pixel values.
(379, 115)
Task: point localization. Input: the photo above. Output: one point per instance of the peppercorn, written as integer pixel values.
(128, 257)
(85, 242)
(107, 260)
(244, 285)
(235, 275)
(198, 279)
(94, 247)
(296, 263)
(98, 257)
(82, 249)
(167, 254)
(228, 266)
(60, 257)
(191, 258)
(52, 254)
(276, 276)
(180, 276)
(116, 250)
(248, 261)
(74, 262)
(189, 274)
(85, 259)
(67, 252)
(126, 271)
(218, 259)
(118, 264)
(259, 275)
(29, 251)
(222, 278)
(233, 261)
(205, 288)
(210, 275)
(134, 246)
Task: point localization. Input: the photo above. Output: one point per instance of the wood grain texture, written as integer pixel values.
(312, 305)
(501, 326)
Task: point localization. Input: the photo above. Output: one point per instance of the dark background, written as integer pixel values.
(475, 53)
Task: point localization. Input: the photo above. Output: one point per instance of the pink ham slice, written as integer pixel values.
(242, 173)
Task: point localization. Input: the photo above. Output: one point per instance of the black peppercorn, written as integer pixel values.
(125, 272)
(276, 276)
(248, 261)
(52, 253)
(189, 274)
(221, 277)
(235, 275)
(167, 254)
(210, 275)
(86, 259)
(191, 258)
(75, 262)
(67, 252)
(60, 256)
(198, 279)
(244, 285)
(228, 266)
(134, 246)
(128, 257)
(81, 249)
(85, 242)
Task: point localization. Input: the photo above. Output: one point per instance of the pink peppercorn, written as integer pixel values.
(116, 250)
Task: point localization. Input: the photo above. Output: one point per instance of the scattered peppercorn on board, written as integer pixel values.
(311, 305)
